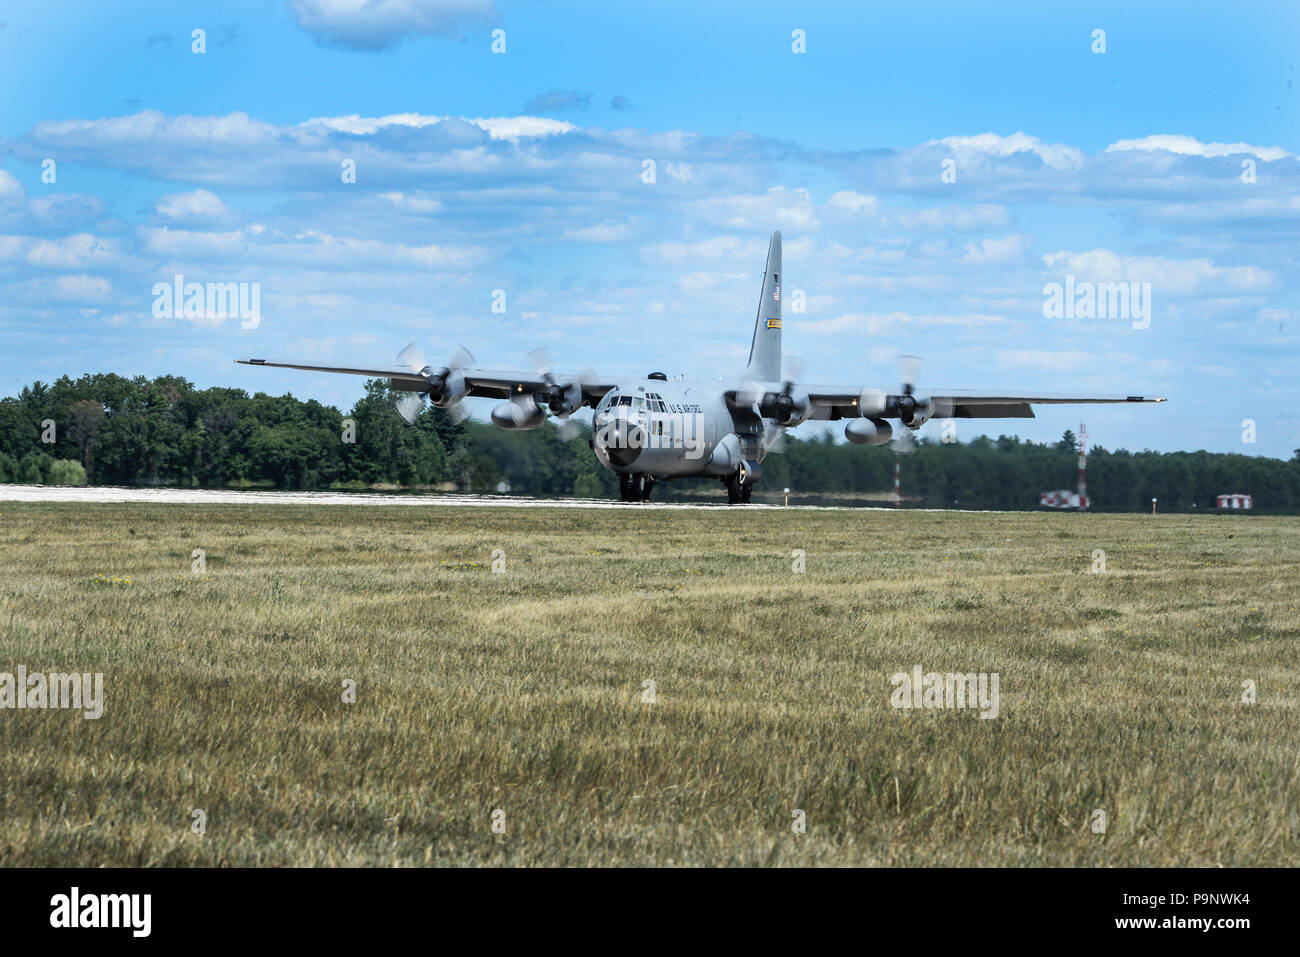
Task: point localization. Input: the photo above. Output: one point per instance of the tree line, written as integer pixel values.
(107, 429)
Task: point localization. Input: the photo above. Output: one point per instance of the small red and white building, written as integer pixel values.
(1233, 500)
(1063, 499)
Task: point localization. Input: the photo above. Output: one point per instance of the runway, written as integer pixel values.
(187, 496)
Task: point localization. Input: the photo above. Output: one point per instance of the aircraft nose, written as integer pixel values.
(619, 439)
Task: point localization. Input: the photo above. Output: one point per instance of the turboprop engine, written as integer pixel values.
(791, 406)
(914, 411)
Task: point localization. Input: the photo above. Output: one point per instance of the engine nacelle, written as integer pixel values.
(520, 413)
(868, 431)
(564, 396)
(447, 387)
(792, 407)
(916, 413)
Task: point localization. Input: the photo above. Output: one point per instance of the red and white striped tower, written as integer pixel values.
(1083, 465)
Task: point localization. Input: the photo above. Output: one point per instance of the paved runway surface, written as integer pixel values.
(187, 496)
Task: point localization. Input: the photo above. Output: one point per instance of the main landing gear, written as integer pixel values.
(635, 488)
(738, 492)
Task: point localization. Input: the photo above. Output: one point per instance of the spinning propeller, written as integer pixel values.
(914, 410)
(446, 386)
(564, 394)
(790, 407)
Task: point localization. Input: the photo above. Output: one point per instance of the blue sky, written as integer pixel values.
(523, 172)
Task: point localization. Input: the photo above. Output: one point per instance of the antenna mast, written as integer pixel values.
(1083, 466)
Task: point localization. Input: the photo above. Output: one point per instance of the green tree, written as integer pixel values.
(67, 472)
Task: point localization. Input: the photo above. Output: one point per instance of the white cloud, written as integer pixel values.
(601, 233)
(876, 322)
(80, 289)
(12, 194)
(1167, 276)
(776, 208)
(378, 24)
(497, 127)
(415, 204)
(67, 209)
(962, 219)
(860, 204)
(150, 126)
(1190, 146)
(1055, 360)
(1282, 211)
(310, 249)
(721, 248)
(974, 150)
(201, 204)
(1000, 251)
(77, 252)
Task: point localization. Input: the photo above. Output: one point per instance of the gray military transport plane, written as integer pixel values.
(651, 430)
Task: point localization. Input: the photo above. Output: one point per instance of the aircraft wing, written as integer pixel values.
(972, 404)
(489, 383)
(839, 402)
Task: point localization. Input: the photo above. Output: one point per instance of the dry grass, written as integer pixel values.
(523, 691)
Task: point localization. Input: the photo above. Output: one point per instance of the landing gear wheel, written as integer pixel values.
(746, 490)
(735, 491)
(634, 488)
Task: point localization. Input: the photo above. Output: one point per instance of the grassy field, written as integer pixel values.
(522, 692)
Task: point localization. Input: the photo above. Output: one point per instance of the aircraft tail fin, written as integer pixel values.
(765, 351)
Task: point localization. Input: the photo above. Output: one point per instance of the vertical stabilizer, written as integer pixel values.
(765, 351)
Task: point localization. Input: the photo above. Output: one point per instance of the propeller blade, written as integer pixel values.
(568, 429)
(910, 370)
(793, 368)
(749, 393)
(412, 356)
(872, 401)
(410, 405)
(774, 438)
(540, 360)
(457, 413)
(461, 358)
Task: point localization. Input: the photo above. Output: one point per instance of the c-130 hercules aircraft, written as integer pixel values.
(651, 430)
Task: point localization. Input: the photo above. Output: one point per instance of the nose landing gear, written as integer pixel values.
(635, 488)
